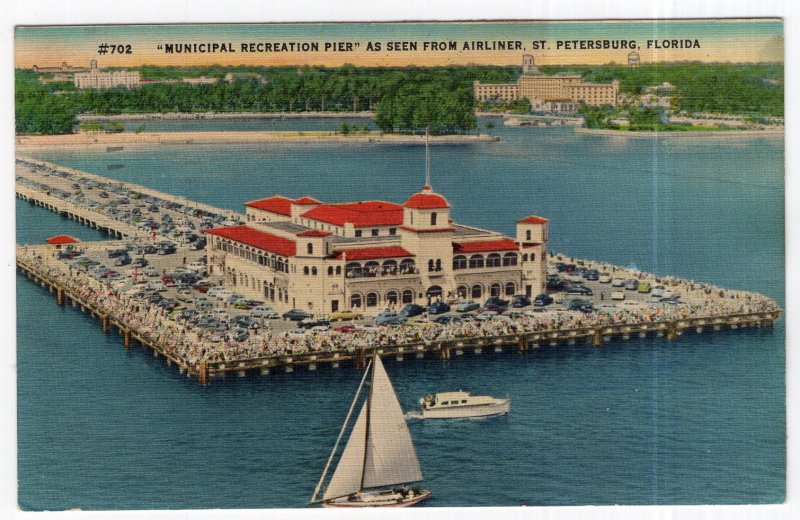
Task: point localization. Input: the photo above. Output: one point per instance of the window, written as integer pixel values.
(310, 248)
(461, 292)
(371, 268)
(477, 291)
(389, 267)
(411, 215)
(374, 232)
(330, 270)
(510, 259)
(358, 232)
(493, 260)
(338, 269)
(511, 288)
(438, 264)
(430, 265)
(525, 257)
(459, 262)
(305, 270)
(476, 261)
(353, 270)
(433, 218)
(494, 290)
(393, 231)
(355, 301)
(372, 299)
(391, 297)
(434, 291)
(314, 271)
(407, 296)
(407, 266)
(533, 257)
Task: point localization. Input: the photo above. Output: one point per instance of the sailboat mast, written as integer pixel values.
(341, 434)
(366, 430)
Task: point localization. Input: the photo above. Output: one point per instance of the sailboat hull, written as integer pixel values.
(385, 498)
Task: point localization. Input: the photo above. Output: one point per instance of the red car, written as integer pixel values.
(168, 281)
(347, 329)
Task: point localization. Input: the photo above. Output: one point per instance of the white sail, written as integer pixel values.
(347, 477)
(391, 458)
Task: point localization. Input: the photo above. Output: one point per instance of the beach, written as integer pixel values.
(769, 132)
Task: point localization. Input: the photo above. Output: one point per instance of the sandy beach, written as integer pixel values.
(171, 138)
(225, 115)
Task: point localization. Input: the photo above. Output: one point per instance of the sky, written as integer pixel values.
(740, 40)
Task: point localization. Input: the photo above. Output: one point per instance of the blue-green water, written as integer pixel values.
(697, 420)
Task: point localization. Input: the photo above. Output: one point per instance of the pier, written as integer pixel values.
(203, 358)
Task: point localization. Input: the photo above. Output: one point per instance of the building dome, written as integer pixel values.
(426, 199)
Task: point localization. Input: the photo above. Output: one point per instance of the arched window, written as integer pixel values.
(493, 260)
(330, 270)
(462, 291)
(372, 299)
(371, 268)
(310, 248)
(430, 265)
(433, 218)
(459, 262)
(525, 257)
(533, 257)
(438, 264)
(407, 296)
(338, 269)
(355, 301)
(392, 297)
(407, 266)
(305, 270)
(511, 288)
(477, 291)
(494, 290)
(475, 261)
(314, 271)
(510, 259)
(434, 291)
(353, 270)
(389, 267)
(527, 235)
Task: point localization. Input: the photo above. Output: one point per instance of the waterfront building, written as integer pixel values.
(368, 255)
(555, 106)
(533, 85)
(94, 78)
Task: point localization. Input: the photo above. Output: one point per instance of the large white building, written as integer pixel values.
(95, 78)
(305, 254)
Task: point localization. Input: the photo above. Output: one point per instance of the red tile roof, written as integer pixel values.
(62, 239)
(360, 214)
(258, 239)
(533, 219)
(482, 246)
(303, 201)
(426, 199)
(369, 253)
(276, 204)
(313, 233)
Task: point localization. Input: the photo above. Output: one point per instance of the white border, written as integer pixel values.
(61, 12)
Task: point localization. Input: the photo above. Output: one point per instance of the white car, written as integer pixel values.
(185, 295)
(196, 266)
(263, 311)
(213, 291)
(604, 278)
(617, 282)
(486, 315)
(658, 291)
(618, 295)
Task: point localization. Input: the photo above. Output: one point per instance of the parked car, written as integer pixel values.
(390, 318)
(139, 262)
(444, 320)
(604, 278)
(542, 300)
(631, 285)
(168, 281)
(114, 253)
(617, 282)
(574, 304)
(554, 283)
(263, 311)
(496, 300)
(346, 329)
(411, 310)
(491, 307)
(346, 314)
(123, 260)
(520, 301)
(643, 287)
(439, 307)
(296, 315)
(151, 271)
(618, 295)
(313, 323)
(658, 291)
(467, 306)
(238, 335)
(592, 275)
(578, 289)
(486, 315)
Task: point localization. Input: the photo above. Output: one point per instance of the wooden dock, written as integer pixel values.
(205, 371)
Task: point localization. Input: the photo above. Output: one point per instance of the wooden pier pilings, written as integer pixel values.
(205, 371)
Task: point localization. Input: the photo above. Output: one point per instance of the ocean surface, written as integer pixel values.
(695, 421)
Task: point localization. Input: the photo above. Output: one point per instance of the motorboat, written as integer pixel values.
(454, 405)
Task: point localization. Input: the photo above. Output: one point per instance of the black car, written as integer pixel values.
(444, 320)
(554, 283)
(438, 308)
(411, 310)
(139, 262)
(311, 323)
(543, 300)
(578, 289)
(592, 275)
(520, 301)
(496, 301)
(123, 260)
(296, 315)
(114, 253)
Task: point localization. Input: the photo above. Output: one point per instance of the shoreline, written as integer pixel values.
(239, 137)
(225, 115)
(698, 133)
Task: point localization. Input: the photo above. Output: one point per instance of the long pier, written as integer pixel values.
(205, 371)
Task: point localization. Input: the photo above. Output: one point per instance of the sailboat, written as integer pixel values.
(379, 460)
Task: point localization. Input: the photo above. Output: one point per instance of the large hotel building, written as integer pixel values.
(318, 257)
(537, 88)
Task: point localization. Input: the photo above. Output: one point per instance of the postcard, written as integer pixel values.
(430, 264)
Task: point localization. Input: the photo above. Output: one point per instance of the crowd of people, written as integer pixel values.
(191, 345)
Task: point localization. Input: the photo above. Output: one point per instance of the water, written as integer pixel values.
(697, 420)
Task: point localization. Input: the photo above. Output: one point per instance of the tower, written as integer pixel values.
(528, 64)
(633, 59)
